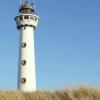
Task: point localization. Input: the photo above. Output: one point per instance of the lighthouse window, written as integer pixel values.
(21, 17)
(26, 11)
(23, 80)
(23, 62)
(24, 44)
(35, 19)
(26, 17)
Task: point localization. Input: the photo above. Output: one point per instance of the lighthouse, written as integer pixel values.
(26, 22)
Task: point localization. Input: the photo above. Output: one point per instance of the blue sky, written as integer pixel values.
(67, 43)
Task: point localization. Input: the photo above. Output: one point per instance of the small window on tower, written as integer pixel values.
(23, 80)
(35, 18)
(26, 17)
(21, 17)
(23, 62)
(23, 44)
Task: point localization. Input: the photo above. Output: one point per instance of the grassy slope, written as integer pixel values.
(81, 93)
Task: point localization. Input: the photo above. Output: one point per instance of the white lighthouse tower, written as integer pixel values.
(26, 23)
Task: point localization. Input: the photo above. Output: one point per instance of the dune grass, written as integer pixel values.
(81, 93)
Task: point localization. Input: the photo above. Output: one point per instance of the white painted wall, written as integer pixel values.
(27, 53)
